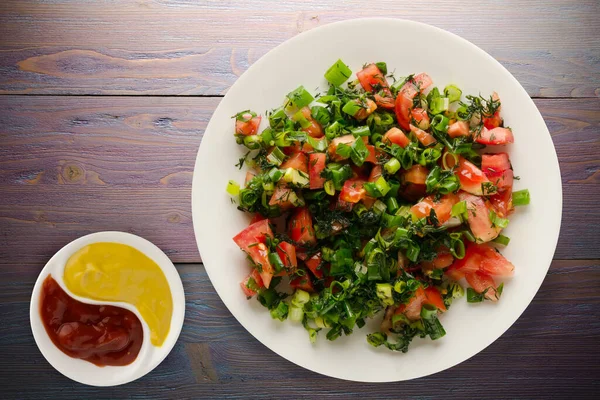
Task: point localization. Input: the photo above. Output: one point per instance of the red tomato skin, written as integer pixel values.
(372, 158)
(303, 283)
(420, 118)
(313, 265)
(314, 130)
(316, 165)
(417, 174)
(280, 197)
(300, 227)
(471, 178)
(414, 305)
(387, 102)
(497, 169)
(496, 136)
(481, 281)
(459, 128)
(423, 81)
(396, 136)
(247, 128)
(247, 240)
(371, 76)
(297, 161)
(402, 109)
(434, 298)
(478, 218)
(353, 191)
(426, 139)
(442, 207)
(287, 253)
(502, 203)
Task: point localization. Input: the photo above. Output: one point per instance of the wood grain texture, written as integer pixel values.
(550, 352)
(70, 166)
(185, 47)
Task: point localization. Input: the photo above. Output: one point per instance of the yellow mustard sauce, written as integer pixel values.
(117, 272)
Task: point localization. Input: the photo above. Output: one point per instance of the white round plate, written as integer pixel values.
(447, 58)
(149, 357)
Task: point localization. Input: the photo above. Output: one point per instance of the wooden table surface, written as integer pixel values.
(103, 105)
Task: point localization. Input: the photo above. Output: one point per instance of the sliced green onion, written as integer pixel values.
(384, 293)
(382, 67)
(247, 197)
(459, 209)
(392, 205)
(503, 240)
(300, 97)
(233, 188)
(379, 207)
(280, 312)
(497, 221)
(352, 107)
(334, 130)
(457, 249)
(276, 262)
(376, 339)
(392, 166)
(267, 136)
(338, 73)
(412, 251)
(521, 197)
(439, 105)
(453, 93)
(319, 145)
(449, 159)
(469, 236)
(276, 156)
(455, 290)
(300, 297)
(329, 188)
(252, 142)
(296, 177)
(277, 118)
(268, 186)
(428, 311)
(361, 131)
(400, 286)
(320, 114)
(473, 296)
(301, 119)
(296, 314)
(274, 175)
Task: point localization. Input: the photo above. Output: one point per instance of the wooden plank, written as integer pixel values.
(551, 351)
(200, 48)
(75, 165)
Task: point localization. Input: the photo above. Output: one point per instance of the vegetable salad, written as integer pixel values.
(389, 200)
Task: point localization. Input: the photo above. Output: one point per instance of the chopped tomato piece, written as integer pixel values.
(281, 198)
(434, 297)
(371, 78)
(257, 279)
(343, 205)
(300, 227)
(494, 121)
(316, 165)
(251, 240)
(353, 191)
(423, 81)
(425, 138)
(366, 111)
(346, 139)
(372, 157)
(502, 203)
(249, 176)
(396, 136)
(483, 258)
(303, 283)
(416, 174)
(480, 282)
(314, 263)
(442, 207)
(249, 127)
(495, 136)
(385, 101)
(459, 128)
(497, 169)
(287, 253)
(297, 161)
(420, 118)
(402, 108)
(414, 305)
(314, 129)
(471, 178)
(479, 218)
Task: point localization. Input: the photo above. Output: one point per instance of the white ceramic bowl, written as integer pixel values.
(149, 356)
(407, 47)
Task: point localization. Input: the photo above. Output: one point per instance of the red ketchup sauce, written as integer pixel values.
(103, 335)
